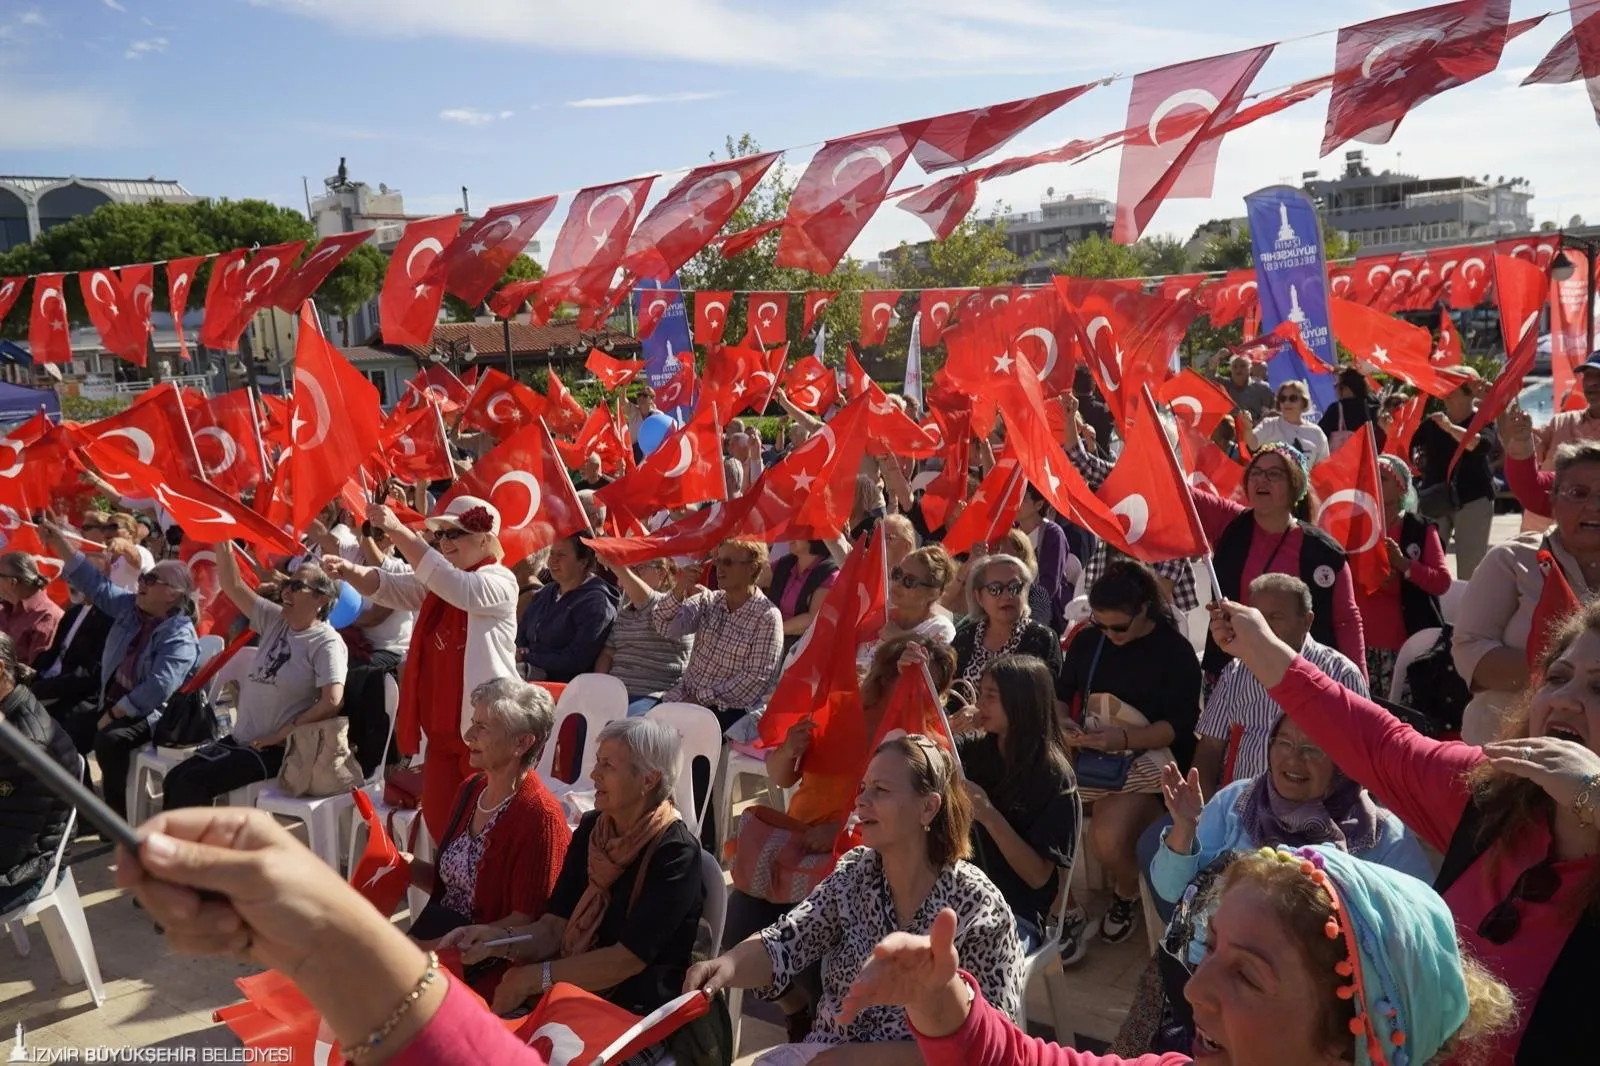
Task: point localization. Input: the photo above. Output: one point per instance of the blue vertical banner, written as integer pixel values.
(1292, 283)
(662, 348)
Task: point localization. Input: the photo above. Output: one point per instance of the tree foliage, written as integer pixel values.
(1232, 252)
(1162, 255)
(1097, 257)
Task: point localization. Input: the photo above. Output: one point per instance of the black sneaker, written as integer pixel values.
(1074, 937)
(1117, 925)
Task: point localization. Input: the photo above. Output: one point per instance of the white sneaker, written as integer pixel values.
(1074, 936)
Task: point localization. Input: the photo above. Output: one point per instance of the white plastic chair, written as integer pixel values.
(702, 738)
(1044, 962)
(598, 698)
(60, 913)
(1415, 645)
(739, 763)
(325, 816)
(715, 913)
(1450, 602)
(210, 647)
(398, 821)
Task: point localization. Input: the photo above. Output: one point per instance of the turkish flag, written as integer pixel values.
(589, 248)
(154, 430)
(414, 445)
(598, 437)
(562, 413)
(1448, 350)
(236, 291)
(224, 430)
(877, 307)
(1386, 67)
(1557, 603)
(574, 1026)
(1046, 334)
(991, 511)
(737, 244)
(1231, 298)
(1341, 282)
(836, 196)
(1127, 337)
(943, 204)
(1382, 344)
(824, 662)
(1196, 400)
(1540, 251)
(1209, 466)
(10, 290)
(710, 316)
(1469, 284)
(1521, 290)
(381, 875)
(808, 494)
(685, 469)
(817, 301)
(334, 426)
(810, 385)
(963, 136)
(937, 307)
(691, 213)
(118, 303)
(500, 405)
(651, 312)
(297, 288)
(1370, 277)
(1407, 420)
(48, 330)
(180, 279)
(679, 390)
(472, 263)
(1562, 64)
(1178, 286)
(736, 377)
(217, 612)
(408, 307)
(767, 315)
(1177, 110)
(1153, 489)
(435, 384)
(613, 373)
(892, 431)
(1351, 511)
(524, 479)
(856, 380)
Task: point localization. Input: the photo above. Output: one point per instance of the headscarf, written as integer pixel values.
(1398, 467)
(1299, 466)
(1345, 817)
(1409, 992)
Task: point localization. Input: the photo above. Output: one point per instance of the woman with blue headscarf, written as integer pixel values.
(1313, 957)
(1408, 601)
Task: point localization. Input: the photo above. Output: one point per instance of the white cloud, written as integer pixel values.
(141, 48)
(114, 5)
(638, 99)
(471, 116)
(30, 18)
(35, 120)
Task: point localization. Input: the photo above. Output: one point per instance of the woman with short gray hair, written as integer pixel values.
(507, 833)
(625, 911)
(998, 621)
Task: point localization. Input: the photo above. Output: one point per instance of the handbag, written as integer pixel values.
(1437, 501)
(187, 720)
(770, 860)
(1435, 689)
(402, 787)
(317, 760)
(1100, 770)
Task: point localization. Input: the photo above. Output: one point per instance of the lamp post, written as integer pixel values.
(1561, 270)
(511, 364)
(453, 354)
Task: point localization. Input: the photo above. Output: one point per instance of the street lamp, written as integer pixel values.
(453, 353)
(1562, 268)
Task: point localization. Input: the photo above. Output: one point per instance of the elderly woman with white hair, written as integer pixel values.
(998, 621)
(150, 650)
(626, 908)
(465, 634)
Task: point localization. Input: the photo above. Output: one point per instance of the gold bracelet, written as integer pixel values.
(379, 1035)
(1583, 805)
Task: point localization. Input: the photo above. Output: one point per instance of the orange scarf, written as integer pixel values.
(610, 853)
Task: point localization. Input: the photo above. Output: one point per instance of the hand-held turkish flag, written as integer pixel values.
(685, 469)
(1521, 289)
(1387, 345)
(414, 444)
(1177, 110)
(810, 385)
(1557, 603)
(500, 405)
(225, 442)
(524, 479)
(1386, 67)
(613, 373)
(1152, 497)
(877, 308)
(1352, 507)
(119, 306)
(562, 412)
(693, 211)
(1197, 401)
(991, 511)
(710, 316)
(48, 329)
(679, 390)
(1448, 350)
(1127, 337)
(381, 875)
(471, 264)
(836, 196)
(408, 307)
(598, 438)
(578, 1027)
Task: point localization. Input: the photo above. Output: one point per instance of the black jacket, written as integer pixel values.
(32, 820)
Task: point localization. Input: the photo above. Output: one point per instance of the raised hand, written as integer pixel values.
(1183, 795)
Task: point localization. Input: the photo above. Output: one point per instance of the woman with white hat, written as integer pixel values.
(465, 634)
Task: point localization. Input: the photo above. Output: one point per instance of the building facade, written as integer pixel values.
(1394, 212)
(31, 205)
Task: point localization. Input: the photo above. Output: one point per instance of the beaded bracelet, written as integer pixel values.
(1583, 805)
(379, 1035)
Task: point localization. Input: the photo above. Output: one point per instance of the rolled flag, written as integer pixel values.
(382, 875)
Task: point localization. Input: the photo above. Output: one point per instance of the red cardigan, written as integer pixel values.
(524, 855)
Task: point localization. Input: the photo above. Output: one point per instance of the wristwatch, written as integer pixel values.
(544, 978)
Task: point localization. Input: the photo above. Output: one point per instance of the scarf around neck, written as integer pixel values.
(1345, 818)
(611, 851)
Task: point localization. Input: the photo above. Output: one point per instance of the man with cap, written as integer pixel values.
(465, 634)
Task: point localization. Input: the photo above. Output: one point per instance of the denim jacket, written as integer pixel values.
(168, 658)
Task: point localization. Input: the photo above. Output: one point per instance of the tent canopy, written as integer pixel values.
(18, 403)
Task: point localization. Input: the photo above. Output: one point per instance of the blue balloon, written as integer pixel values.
(654, 429)
(347, 608)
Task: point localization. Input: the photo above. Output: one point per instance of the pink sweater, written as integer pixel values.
(1424, 783)
(989, 1038)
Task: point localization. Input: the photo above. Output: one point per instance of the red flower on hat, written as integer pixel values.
(476, 520)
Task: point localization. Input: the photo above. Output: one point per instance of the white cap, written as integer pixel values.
(450, 518)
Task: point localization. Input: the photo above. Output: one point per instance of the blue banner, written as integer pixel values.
(670, 340)
(1292, 282)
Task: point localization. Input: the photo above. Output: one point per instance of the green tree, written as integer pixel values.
(1097, 257)
(522, 268)
(353, 283)
(1233, 252)
(1162, 256)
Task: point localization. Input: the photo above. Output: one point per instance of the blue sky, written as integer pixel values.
(244, 97)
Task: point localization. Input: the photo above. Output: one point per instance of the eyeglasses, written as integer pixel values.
(1003, 588)
(733, 562)
(906, 580)
(1267, 473)
(1308, 752)
(1538, 884)
(146, 580)
(296, 585)
(1577, 495)
(452, 534)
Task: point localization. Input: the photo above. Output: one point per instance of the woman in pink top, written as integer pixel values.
(1408, 602)
(1271, 533)
(1516, 819)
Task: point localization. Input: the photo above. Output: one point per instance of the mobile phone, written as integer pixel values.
(67, 788)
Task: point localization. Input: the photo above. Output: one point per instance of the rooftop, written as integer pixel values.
(152, 187)
(488, 338)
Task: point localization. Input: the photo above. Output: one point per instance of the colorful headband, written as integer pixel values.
(1397, 466)
(1296, 460)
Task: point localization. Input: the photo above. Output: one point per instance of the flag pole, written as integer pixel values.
(194, 448)
(444, 437)
(1192, 513)
(944, 719)
(255, 430)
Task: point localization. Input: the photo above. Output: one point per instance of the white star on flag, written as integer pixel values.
(1002, 363)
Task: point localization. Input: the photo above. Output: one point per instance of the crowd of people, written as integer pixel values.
(1342, 877)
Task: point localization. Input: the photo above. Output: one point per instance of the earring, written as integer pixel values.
(928, 828)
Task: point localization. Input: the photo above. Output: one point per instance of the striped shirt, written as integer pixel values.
(642, 659)
(1095, 470)
(1241, 700)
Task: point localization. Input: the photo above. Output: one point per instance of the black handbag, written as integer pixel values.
(1100, 770)
(187, 720)
(1437, 501)
(1434, 688)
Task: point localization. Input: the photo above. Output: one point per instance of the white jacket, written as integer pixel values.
(488, 595)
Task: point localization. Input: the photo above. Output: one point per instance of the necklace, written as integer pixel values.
(498, 806)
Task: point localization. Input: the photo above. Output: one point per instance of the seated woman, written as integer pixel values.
(998, 619)
(27, 613)
(914, 610)
(916, 824)
(565, 625)
(1016, 543)
(797, 583)
(32, 819)
(634, 653)
(507, 834)
(297, 678)
(626, 907)
(1516, 819)
(1018, 775)
(1131, 650)
(1408, 602)
(1307, 966)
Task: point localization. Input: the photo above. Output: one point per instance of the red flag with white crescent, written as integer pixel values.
(1521, 289)
(613, 373)
(180, 280)
(1196, 401)
(408, 307)
(991, 511)
(119, 304)
(10, 291)
(1152, 498)
(817, 301)
(767, 318)
(1351, 511)
(382, 874)
(500, 406)
(877, 308)
(590, 245)
(525, 480)
(562, 412)
(937, 307)
(304, 279)
(679, 390)
(810, 385)
(49, 338)
(691, 213)
(963, 136)
(238, 291)
(224, 437)
(685, 469)
(710, 316)
(471, 264)
(834, 199)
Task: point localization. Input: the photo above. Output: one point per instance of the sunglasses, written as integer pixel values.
(1003, 588)
(1107, 627)
(296, 585)
(451, 534)
(899, 577)
(146, 580)
(1538, 884)
(1288, 399)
